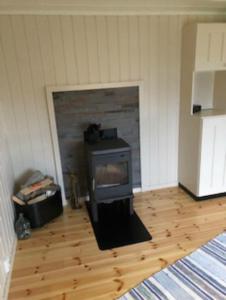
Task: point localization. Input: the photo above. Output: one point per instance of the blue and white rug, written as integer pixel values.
(200, 275)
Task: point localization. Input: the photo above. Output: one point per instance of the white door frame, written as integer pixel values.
(53, 128)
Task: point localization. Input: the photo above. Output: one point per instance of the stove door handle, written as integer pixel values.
(93, 184)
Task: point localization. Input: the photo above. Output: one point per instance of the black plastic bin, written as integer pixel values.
(42, 212)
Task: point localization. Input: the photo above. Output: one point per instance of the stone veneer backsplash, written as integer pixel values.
(112, 108)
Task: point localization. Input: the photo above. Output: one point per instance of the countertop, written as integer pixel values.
(210, 113)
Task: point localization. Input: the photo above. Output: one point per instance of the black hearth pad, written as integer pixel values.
(116, 228)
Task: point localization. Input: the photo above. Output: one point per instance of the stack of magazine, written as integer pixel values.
(37, 188)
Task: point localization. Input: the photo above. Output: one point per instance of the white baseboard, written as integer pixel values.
(159, 186)
(8, 279)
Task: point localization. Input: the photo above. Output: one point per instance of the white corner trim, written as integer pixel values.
(58, 176)
(53, 128)
(9, 275)
(159, 186)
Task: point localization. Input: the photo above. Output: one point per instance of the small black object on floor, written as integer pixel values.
(116, 228)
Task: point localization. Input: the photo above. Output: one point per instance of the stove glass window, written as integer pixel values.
(111, 174)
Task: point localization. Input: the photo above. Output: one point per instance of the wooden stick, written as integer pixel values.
(18, 200)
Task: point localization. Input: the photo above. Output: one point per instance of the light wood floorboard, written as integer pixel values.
(62, 260)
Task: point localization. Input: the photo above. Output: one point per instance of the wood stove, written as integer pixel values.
(109, 173)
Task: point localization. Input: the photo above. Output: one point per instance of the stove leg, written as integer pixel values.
(94, 210)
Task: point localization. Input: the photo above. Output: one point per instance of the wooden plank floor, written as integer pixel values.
(62, 261)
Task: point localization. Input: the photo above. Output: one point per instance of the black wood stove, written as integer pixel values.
(109, 173)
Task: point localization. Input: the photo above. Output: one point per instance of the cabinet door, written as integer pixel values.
(210, 47)
(212, 177)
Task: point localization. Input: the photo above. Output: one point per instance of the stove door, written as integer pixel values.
(112, 175)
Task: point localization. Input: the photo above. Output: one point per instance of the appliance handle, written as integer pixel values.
(93, 184)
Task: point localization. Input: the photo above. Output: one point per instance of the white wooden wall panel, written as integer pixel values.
(37, 51)
(17, 101)
(50, 77)
(7, 235)
(153, 87)
(103, 51)
(38, 81)
(92, 43)
(173, 92)
(57, 49)
(69, 52)
(123, 40)
(163, 76)
(133, 50)
(81, 49)
(113, 48)
(144, 61)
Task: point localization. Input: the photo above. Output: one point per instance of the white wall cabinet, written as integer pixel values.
(210, 47)
(212, 176)
(202, 137)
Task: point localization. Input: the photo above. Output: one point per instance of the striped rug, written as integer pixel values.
(200, 275)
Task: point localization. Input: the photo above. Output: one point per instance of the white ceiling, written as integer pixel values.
(112, 7)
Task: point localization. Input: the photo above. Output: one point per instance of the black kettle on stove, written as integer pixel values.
(92, 134)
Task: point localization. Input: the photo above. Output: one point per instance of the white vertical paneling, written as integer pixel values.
(154, 99)
(7, 235)
(8, 110)
(50, 77)
(173, 96)
(113, 48)
(69, 50)
(57, 49)
(12, 65)
(123, 40)
(46, 48)
(133, 50)
(27, 89)
(103, 51)
(144, 115)
(37, 51)
(81, 49)
(163, 72)
(92, 49)
(38, 81)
